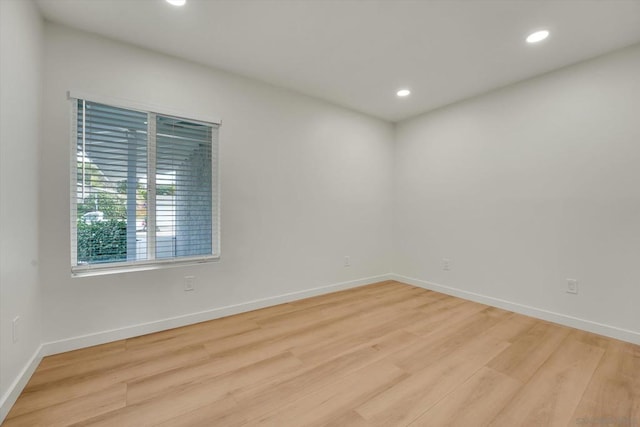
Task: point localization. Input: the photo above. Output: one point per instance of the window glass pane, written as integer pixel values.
(111, 184)
(119, 218)
(183, 188)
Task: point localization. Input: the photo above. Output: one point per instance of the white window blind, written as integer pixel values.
(183, 187)
(144, 189)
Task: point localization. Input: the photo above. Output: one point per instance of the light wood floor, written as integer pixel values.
(387, 354)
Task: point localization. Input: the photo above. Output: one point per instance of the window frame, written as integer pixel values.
(147, 264)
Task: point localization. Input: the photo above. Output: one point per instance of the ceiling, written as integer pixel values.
(357, 53)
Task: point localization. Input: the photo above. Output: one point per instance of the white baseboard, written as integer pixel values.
(103, 337)
(10, 397)
(562, 319)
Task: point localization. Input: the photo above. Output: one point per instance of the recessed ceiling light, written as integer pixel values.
(538, 36)
(177, 2)
(403, 92)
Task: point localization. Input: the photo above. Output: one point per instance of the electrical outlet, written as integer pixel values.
(572, 286)
(446, 264)
(347, 261)
(188, 283)
(14, 328)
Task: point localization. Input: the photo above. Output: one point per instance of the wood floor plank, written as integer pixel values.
(590, 339)
(270, 341)
(447, 340)
(181, 337)
(359, 307)
(342, 317)
(334, 399)
(56, 389)
(386, 354)
(161, 410)
(407, 400)
(475, 403)
(551, 396)
(221, 413)
(208, 372)
(613, 394)
(82, 355)
(125, 366)
(349, 418)
(73, 410)
(511, 328)
(444, 312)
(530, 351)
(363, 332)
(260, 398)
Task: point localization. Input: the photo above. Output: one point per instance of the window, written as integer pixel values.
(144, 189)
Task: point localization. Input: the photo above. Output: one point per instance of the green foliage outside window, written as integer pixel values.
(102, 241)
(105, 240)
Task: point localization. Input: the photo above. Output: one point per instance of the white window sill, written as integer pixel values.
(124, 267)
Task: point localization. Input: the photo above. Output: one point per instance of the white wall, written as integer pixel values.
(527, 186)
(304, 183)
(20, 96)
